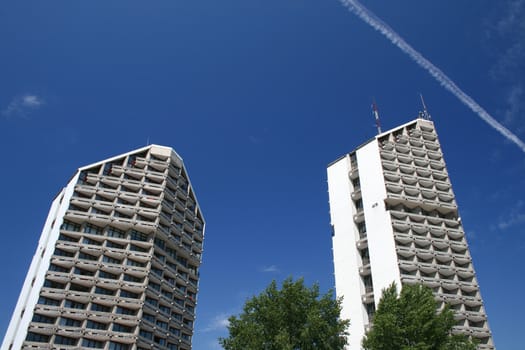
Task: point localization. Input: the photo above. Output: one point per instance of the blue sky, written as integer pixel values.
(258, 97)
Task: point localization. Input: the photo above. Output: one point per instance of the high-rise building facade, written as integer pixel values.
(395, 219)
(116, 266)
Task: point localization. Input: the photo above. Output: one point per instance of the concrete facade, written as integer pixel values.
(395, 219)
(117, 263)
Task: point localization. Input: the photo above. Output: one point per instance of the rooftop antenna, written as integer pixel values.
(425, 113)
(376, 116)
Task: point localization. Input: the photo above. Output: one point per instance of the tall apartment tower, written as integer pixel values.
(395, 219)
(116, 266)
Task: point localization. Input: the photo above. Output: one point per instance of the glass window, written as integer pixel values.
(121, 328)
(39, 338)
(74, 304)
(118, 346)
(125, 311)
(104, 274)
(100, 307)
(48, 301)
(126, 294)
(90, 343)
(65, 321)
(43, 319)
(60, 339)
(94, 230)
(104, 291)
(55, 285)
(87, 256)
(146, 334)
(70, 226)
(138, 236)
(96, 325)
(115, 232)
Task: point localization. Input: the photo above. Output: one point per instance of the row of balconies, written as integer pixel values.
(438, 243)
(433, 152)
(403, 169)
(427, 254)
(436, 226)
(395, 179)
(409, 159)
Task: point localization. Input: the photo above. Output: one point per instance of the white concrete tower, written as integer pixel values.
(395, 219)
(116, 266)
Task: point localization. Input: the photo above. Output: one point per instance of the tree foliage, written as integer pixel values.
(412, 322)
(294, 317)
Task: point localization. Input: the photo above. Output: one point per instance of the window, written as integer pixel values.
(138, 249)
(130, 278)
(356, 183)
(61, 252)
(174, 331)
(87, 256)
(65, 321)
(156, 271)
(90, 343)
(115, 232)
(148, 317)
(91, 241)
(94, 230)
(154, 286)
(83, 272)
(135, 263)
(104, 291)
(96, 325)
(172, 346)
(39, 338)
(74, 304)
(159, 340)
(111, 260)
(104, 274)
(60, 339)
(361, 227)
(358, 204)
(43, 319)
(138, 236)
(162, 324)
(146, 334)
(55, 285)
(167, 294)
(110, 244)
(121, 328)
(70, 226)
(48, 301)
(126, 294)
(165, 309)
(56, 268)
(100, 307)
(63, 237)
(152, 301)
(125, 311)
(79, 288)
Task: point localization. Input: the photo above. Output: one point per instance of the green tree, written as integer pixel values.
(294, 317)
(412, 322)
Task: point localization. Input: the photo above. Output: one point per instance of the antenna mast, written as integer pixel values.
(375, 112)
(425, 113)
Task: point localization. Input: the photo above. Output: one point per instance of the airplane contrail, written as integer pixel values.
(375, 22)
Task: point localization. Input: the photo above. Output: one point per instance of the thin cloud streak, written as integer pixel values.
(22, 105)
(271, 268)
(375, 22)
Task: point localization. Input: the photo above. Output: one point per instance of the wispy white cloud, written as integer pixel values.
(22, 105)
(218, 323)
(270, 269)
(506, 38)
(514, 217)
